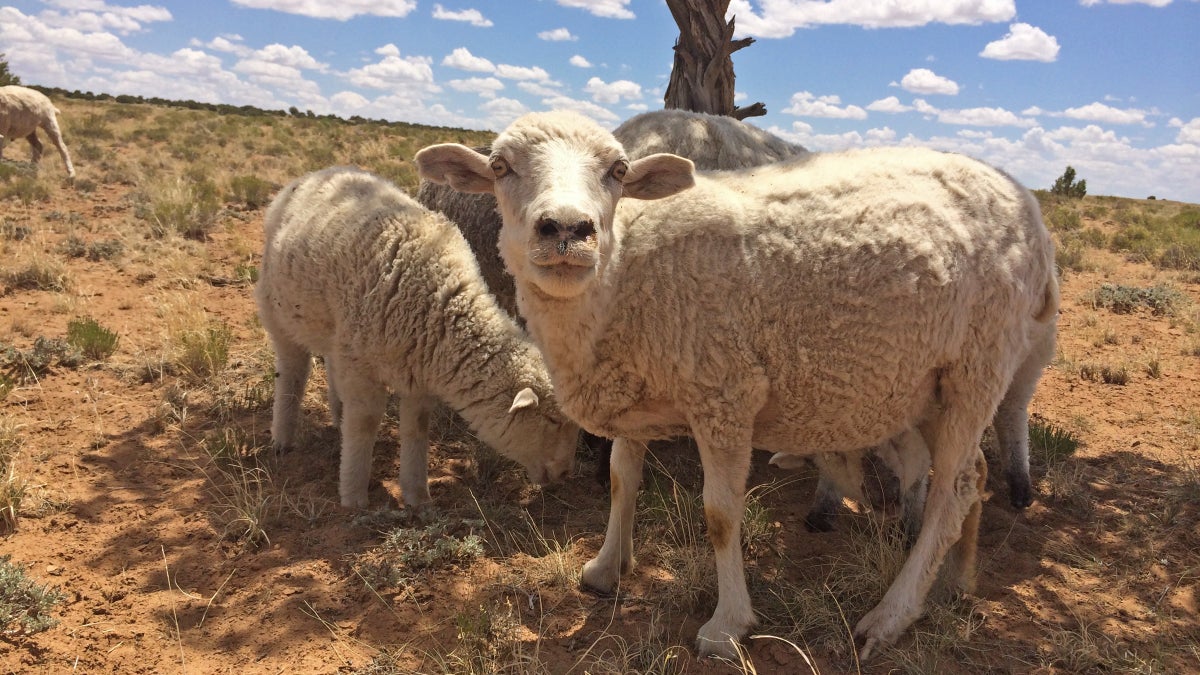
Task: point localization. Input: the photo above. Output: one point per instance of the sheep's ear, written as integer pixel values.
(784, 460)
(457, 166)
(524, 399)
(658, 176)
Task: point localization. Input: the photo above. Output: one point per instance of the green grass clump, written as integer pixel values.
(251, 192)
(74, 247)
(1120, 299)
(204, 352)
(185, 206)
(88, 336)
(24, 604)
(1050, 443)
(39, 274)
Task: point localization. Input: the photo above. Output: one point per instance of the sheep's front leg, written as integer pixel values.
(414, 449)
(616, 554)
(363, 405)
(953, 494)
(35, 147)
(292, 366)
(725, 458)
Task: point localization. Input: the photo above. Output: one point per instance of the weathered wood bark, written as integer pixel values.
(702, 76)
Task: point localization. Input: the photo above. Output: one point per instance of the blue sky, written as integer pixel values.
(1111, 87)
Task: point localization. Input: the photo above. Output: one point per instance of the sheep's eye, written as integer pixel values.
(618, 170)
(500, 167)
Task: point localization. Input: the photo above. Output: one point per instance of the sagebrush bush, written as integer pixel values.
(1121, 299)
(251, 191)
(95, 341)
(24, 604)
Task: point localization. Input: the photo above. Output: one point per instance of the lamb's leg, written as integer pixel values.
(959, 567)
(414, 449)
(56, 138)
(725, 455)
(827, 504)
(332, 397)
(1011, 421)
(35, 145)
(292, 366)
(364, 402)
(616, 553)
(953, 437)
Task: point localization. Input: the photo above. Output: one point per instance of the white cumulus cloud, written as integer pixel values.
(612, 92)
(463, 59)
(984, 117)
(510, 72)
(484, 86)
(781, 18)
(557, 35)
(1189, 132)
(1099, 112)
(806, 104)
(891, 104)
(471, 16)
(342, 10)
(609, 9)
(925, 81)
(1023, 43)
(580, 62)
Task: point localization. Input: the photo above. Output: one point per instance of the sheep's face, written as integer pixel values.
(539, 437)
(557, 178)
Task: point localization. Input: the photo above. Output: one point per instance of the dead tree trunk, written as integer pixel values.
(702, 76)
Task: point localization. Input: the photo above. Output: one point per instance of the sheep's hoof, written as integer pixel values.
(819, 521)
(718, 642)
(880, 627)
(1020, 493)
(598, 579)
(869, 647)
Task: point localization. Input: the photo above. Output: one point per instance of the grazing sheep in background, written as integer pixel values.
(390, 294)
(825, 304)
(710, 141)
(22, 111)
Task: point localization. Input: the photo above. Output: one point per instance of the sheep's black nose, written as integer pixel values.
(551, 228)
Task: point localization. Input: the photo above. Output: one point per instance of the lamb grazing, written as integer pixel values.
(22, 111)
(390, 294)
(825, 304)
(890, 478)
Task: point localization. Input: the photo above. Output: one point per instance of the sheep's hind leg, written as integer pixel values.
(414, 449)
(1011, 421)
(616, 553)
(292, 366)
(364, 402)
(55, 135)
(953, 438)
(725, 456)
